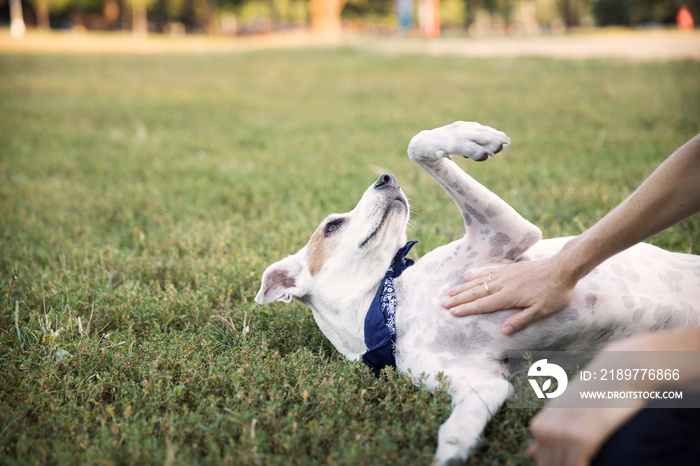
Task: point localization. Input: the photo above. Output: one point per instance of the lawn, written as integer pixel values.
(142, 196)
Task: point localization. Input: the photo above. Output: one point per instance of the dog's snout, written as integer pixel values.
(386, 181)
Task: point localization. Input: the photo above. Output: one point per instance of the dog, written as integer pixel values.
(370, 304)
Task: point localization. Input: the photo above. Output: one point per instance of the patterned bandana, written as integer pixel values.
(380, 327)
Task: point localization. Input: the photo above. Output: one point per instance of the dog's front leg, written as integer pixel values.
(476, 395)
(487, 217)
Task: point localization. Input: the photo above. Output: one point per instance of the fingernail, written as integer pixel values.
(507, 329)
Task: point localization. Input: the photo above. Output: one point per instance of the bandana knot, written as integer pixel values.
(380, 325)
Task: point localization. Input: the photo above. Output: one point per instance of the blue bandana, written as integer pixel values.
(380, 327)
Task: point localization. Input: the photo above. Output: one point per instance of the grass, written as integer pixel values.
(143, 196)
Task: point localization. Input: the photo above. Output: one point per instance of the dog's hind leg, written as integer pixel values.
(488, 219)
(477, 394)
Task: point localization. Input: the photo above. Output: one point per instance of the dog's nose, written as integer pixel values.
(386, 181)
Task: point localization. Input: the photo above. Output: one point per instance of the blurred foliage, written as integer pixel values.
(638, 12)
(612, 12)
(89, 6)
(201, 15)
(363, 8)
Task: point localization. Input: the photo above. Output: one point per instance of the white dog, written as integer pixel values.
(350, 274)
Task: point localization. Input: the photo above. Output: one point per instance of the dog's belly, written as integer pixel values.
(642, 289)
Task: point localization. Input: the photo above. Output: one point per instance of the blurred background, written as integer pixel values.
(332, 18)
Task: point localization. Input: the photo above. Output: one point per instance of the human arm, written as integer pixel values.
(573, 436)
(540, 288)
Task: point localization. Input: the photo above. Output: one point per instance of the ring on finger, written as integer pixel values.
(486, 286)
(490, 273)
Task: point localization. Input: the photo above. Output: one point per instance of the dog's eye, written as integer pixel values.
(332, 226)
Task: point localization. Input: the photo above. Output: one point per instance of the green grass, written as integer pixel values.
(143, 196)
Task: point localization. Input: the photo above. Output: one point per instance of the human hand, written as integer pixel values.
(572, 436)
(538, 287)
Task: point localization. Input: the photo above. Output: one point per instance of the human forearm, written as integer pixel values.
(668, 196)
(675, 340)
(543, 287)
(651, 350)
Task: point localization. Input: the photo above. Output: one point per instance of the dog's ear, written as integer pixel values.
(282, 281)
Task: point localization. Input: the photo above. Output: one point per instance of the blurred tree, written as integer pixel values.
(324, 17)
(111, 11)
(452, 13)
(612, 12)
(636, 12)
(85, 13)
(230, 5)
(507, 8)
(42, 8)
(365, 8)
(569, 11)
(198, 15)
(17, 27)
(470, 9)
(164, 12)
(491, 6)
(139, 16)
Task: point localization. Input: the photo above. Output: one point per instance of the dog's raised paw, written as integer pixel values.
(461, 138)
